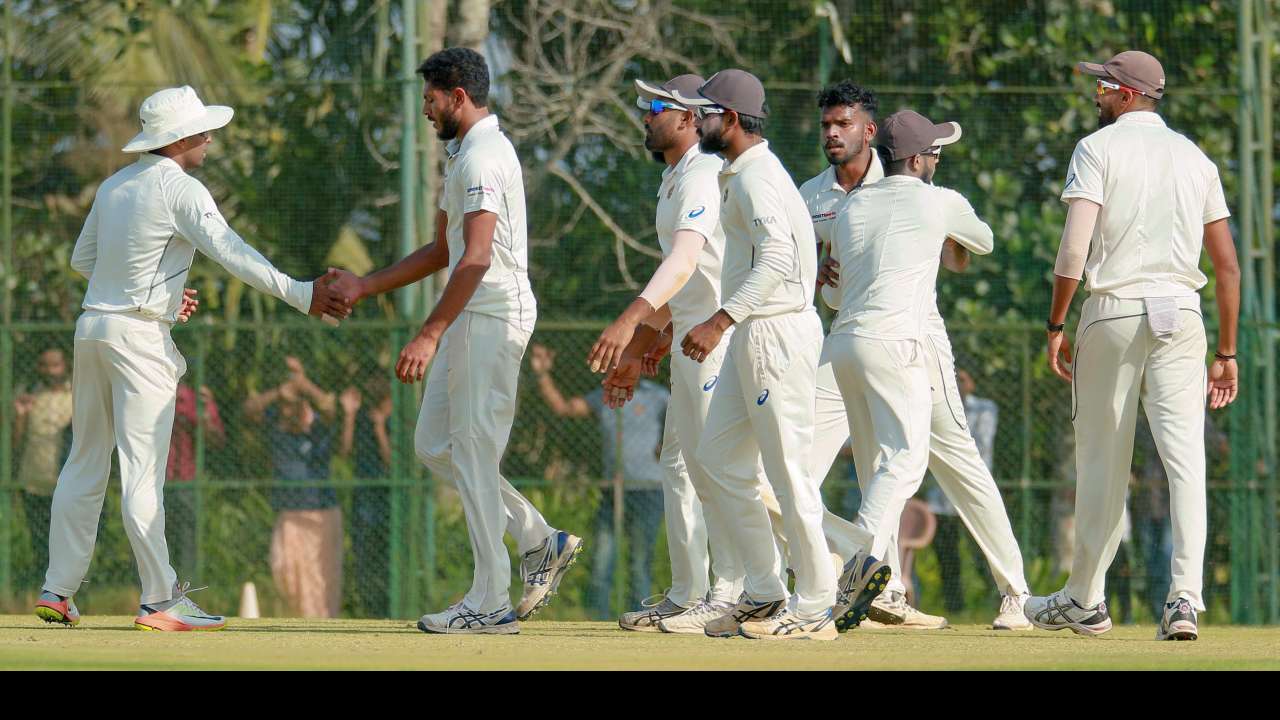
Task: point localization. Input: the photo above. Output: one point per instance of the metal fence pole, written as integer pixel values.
(202, 354)
(1024, 511)
(6, 340)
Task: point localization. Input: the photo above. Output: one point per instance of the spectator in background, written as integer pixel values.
(181, 514)
(982, 415)
(306, 544)
(366, 440)
(642, 423)
(42, 418)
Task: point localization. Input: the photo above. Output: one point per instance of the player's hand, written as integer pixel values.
(1059, 344)
(829, 272)
(607, 352)
(704, 337)
(23, 404)
(620, 383)
(348, 285)
(189, 304)
(415, 357)
(653, 356)
(326, 299)
(350, 401)
(1222, 388)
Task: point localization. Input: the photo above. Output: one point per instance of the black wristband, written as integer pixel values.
(1054, 328)
(1220, 356)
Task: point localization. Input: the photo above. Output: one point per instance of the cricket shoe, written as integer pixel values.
(179, 614)
(1059, 612)
(1011, 616)
(543, 568)
(694, 620)
(53, 608)
(729, 623)
(862, 580)
(1179, 621)
(788, 625)
(458, 619)
(652, 611)
(890, 609)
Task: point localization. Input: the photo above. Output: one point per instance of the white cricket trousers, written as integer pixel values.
(124, 383)
(885, 388)
(954, 461)
(762, 410)
(1118, 361)
(463, 427)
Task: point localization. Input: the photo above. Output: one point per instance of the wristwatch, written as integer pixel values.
(1054, 328)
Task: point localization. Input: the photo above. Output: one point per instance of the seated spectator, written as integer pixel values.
(41, 438)
(642, 424)
(306, 544)
(367, 441)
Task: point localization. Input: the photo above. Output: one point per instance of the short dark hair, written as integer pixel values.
(458, 67)
(751, 124)
(847, 93)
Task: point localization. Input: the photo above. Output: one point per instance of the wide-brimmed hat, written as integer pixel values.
(175, 113)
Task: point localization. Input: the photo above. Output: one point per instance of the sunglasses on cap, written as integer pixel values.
(1104, 87)
(702, 111)
(656, 106)
(935, 151)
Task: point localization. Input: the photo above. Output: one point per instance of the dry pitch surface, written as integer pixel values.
(110, 642)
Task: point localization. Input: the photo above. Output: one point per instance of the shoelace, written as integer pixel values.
(1009, 604)
(183, 590)
(654, 600)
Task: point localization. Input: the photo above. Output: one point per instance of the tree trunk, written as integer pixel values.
(473, 24)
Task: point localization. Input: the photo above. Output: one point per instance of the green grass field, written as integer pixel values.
(110, 642)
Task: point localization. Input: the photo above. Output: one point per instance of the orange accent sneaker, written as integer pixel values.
(179, 615)
(53, 608)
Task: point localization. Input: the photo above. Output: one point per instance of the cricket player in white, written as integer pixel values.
(890, 236)
(137, 245)
(477, 333)
(762, 406)
(848, 127)
(1142, 202)
(684, 290)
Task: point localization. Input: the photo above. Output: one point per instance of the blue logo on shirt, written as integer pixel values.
(697, 211)
(711, 383)
(763, 397)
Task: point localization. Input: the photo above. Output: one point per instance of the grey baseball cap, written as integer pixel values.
(648, 90)
(734, 89)
(907, 132)
(1133, 68)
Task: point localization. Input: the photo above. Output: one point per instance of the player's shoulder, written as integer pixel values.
(946, 194)
(701, 168)
(815, 185)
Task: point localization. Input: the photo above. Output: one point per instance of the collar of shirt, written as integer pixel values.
(147, 158)
(899, 180)
(487, 124)
(754, 152)
(1144, 117)
(875, 173)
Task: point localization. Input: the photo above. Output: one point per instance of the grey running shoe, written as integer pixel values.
(652, 611)
(1179, 621)
(1059, 612)
(543, 568)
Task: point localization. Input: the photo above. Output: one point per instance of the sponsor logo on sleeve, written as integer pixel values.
(697, 211)
(706, 387)
(823, 216)
(479, 190)
(764, 397)
(766, 220)
(1071, 178)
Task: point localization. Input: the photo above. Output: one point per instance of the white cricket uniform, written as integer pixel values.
(762, 406)
(470, 398)
(954, 459)
(888, 238)
(689, 199)
(140, 238)
(1141, 335)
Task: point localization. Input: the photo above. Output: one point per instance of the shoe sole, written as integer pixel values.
(1077, 628)
(556, 578)
(639, 628)
(1179, 631)
(507, 629)
(50, 615)
(826, 634)
(736, 632)
(857, 612)
(174, 626)
(1011, 628)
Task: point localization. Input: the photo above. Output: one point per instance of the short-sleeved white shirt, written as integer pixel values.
(823, 195)
(1157, 191)
(888, 239)
(482, 172)
(767, 233)
(689, 199)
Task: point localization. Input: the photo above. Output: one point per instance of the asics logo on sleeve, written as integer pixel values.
(697, 211)
(763, 397)
(711, 383)
(1070, 179)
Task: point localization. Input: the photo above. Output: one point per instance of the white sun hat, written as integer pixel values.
(175, 113)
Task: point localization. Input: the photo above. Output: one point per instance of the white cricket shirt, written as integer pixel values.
(482, 172)
(137, 245)
(1157, 191)
(689, 199)
(823, 195)
(770, 257)
(888, 239)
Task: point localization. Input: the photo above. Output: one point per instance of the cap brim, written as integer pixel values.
(649, 91)
(691, 101)
(215, 117)
(1094, 69)
(948, 132)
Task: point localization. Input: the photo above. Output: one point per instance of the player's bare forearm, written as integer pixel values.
(955, 257)
(478, 228)
(1064, 289)
(1226, 270)
(410, 269)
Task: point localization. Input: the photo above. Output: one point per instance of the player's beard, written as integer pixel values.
(1105, 116)
(449, 125)
(712, 141)
(656, 144)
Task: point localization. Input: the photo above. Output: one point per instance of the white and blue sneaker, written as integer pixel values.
(543, 568)
(863, 579)
(460, 620)
(652, 611)
(729, 623)
(788, 625)
(1178, 622)
(1059, 612)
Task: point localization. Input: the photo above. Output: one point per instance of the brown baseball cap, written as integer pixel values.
(1133, 68)
(688, 84)
(734, 89)
(907, 133)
